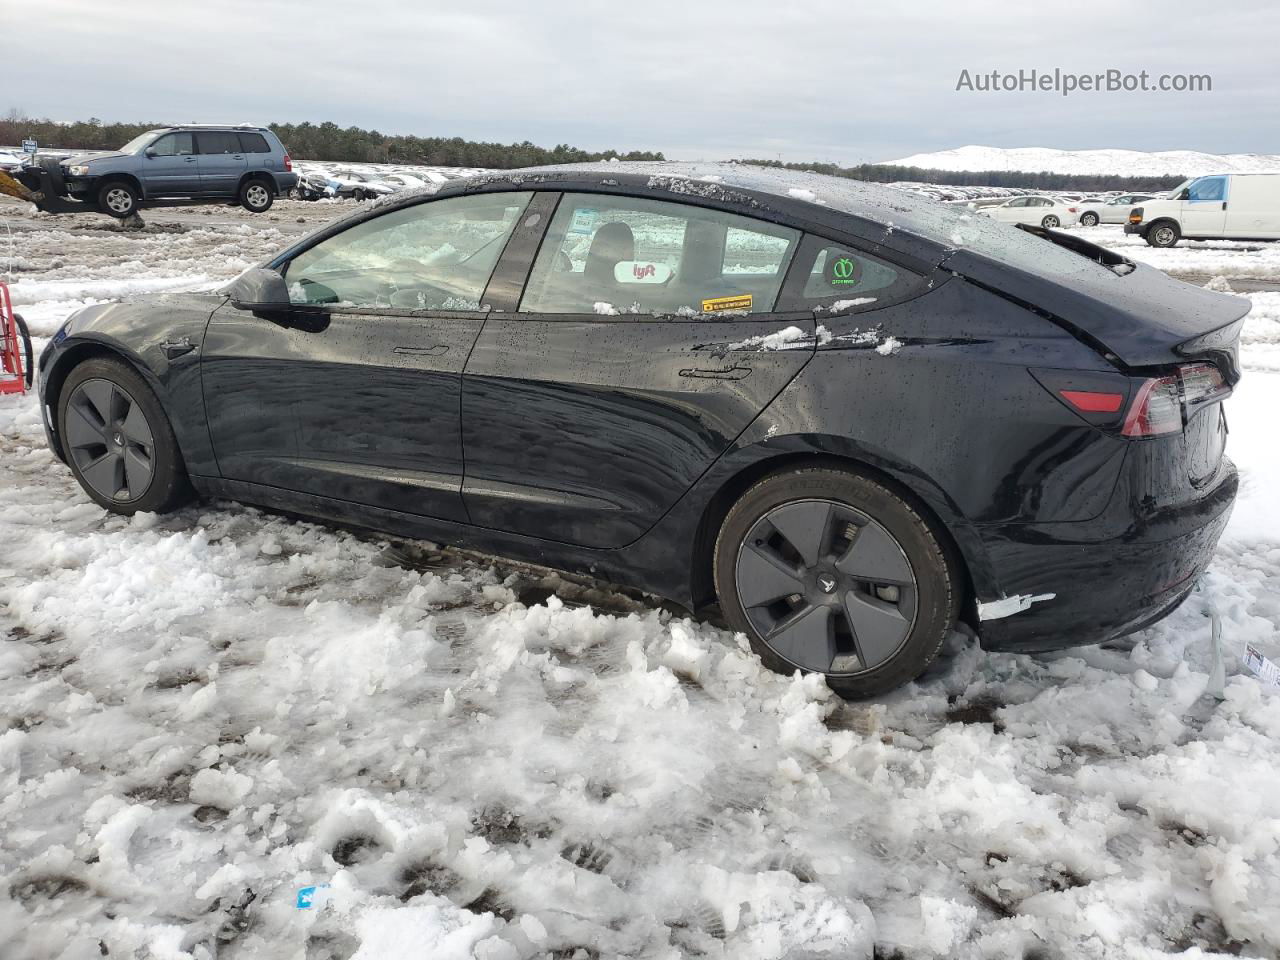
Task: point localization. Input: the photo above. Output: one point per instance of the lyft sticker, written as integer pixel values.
(641, 271)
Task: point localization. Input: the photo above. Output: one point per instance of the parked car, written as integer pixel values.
(1236, 206)
(851, 414)
(1113, 210)
(1035, 211)
(185, 163)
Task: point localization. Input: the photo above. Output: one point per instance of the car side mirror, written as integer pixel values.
(259, 288)
(1185, 195)
(150, 151)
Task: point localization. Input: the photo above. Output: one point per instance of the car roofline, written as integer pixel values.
(789, 211)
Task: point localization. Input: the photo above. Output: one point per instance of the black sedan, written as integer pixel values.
(852, 415)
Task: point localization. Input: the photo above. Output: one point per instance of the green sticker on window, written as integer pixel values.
(844, 272)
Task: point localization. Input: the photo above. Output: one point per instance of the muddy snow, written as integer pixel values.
(224, 733)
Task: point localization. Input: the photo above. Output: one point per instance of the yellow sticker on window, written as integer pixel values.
(719, 304)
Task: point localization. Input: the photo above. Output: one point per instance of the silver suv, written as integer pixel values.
(184, 164)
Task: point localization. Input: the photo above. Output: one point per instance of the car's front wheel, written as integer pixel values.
(1050, 222)
(256, 196)
(1088, 219)
(1164, 234)
(118, 198)
(829, 571)
(118, 440)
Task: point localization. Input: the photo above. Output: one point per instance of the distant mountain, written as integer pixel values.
(1125, 163)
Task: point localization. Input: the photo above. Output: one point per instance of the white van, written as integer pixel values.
(1237, 206)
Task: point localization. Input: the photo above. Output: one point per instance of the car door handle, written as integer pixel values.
(728, 373)
(191, 159)
(177, 348)
(438, 350)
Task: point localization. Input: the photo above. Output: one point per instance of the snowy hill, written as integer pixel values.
(1115, 162)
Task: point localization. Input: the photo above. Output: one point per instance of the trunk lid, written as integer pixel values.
(1137, 314)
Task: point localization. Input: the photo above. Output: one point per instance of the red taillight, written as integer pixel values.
(1087, 401)
(1071, 209)
(288, 164)
(1162, 404)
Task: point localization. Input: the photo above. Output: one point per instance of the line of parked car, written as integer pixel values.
(1228, 206)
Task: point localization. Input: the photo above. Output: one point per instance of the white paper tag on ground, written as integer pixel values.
(1261, 667)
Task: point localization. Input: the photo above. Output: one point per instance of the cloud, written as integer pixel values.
(842, 81)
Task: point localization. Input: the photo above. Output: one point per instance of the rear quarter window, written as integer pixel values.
(837, 277)
(254, 143)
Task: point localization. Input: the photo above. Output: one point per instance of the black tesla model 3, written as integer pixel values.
(850, 414)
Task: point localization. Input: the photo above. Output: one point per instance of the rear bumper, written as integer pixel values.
(1105, 582)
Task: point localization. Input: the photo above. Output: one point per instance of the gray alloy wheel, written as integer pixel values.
(1163, 235)
(110, 440)
(826, 587)
(1050, 222)
(118, 199)
(1089, 220)
(256, 197)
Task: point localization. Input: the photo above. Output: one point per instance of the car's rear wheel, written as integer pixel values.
(1165, 233)
(118, 198)
(1088, 219)
(118, 440)
(256, 196)
(829, 571)
(1050, 222)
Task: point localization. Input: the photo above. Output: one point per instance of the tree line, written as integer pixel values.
(1021, 180)
(324, 141)
(328, 141)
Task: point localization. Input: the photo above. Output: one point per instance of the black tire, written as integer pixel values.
(28, 357)
(167, 486)
(256, 196)
(1163, 233)
(118, 198)
(857, 503)
(1089, 219)
(1051, 222)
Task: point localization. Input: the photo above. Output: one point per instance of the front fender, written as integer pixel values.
(136, 332)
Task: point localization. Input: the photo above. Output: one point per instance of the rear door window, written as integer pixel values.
(218, 141)
(832, 276)
(609, 255)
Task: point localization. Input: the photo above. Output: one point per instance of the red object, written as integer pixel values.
(15, 348)
(288, 164)
(1086, 401)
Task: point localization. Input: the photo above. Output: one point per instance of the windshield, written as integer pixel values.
(141, 140)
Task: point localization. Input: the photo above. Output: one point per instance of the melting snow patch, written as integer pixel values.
(789, 338)
(890, 346)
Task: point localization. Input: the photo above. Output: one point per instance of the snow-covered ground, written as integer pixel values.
(203, 713)
(1123, 163)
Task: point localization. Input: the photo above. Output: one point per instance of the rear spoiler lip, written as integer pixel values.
(1221, 345)
(1140, 330)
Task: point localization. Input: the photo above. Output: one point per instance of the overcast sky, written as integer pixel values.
(845, 81)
